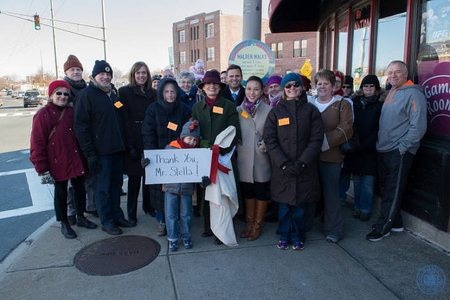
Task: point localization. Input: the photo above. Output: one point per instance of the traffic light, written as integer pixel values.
(37, 22)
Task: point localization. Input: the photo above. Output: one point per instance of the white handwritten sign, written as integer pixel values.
(177, 165)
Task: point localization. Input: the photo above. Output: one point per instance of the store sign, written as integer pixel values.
(177, 165)
(255, 58)
(437, 91)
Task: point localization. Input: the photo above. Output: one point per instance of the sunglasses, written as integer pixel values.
(289, 85)
(346, 86)
(369, 85)
(60, 93)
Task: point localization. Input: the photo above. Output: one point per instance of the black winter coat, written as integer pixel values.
(367, 115)
(98, 122)
(226, 93)
(157, 135)
(135, 104)
(294, 131)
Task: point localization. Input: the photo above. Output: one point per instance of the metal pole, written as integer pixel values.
(252, 20)
(104, 28)
(54, 40)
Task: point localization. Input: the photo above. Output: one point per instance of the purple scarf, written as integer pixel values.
(250, 106)
(274, 100)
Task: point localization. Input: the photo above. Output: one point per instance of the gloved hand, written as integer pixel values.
(134, 153)
(145, 162)
(294, 169)
(205, 181)
(94, 164)
(204, 144)
(46, 178)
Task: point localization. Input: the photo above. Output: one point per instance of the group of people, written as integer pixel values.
(272, 141)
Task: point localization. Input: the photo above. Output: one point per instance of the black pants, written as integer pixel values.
(60, 198)
(393, 170)
(134, 186)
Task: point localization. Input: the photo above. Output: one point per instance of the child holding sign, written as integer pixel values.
(178, 196)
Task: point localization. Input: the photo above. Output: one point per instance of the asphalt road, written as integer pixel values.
(25, 204)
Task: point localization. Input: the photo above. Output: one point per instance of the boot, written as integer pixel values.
(261, 207)
(67, 231)
(249, 216)
(207, 224)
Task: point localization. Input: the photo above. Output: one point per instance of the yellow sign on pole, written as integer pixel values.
(306, 69)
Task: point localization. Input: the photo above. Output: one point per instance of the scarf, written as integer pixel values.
(184, 145)
(75, 86)
(105, 89)
(251, 106)
(275, 99)
(211, 102)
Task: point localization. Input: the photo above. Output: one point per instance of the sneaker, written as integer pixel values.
(187, 244)
(397, 229)
(162, 231)
(83, 222)
(298, 246)
(67, 231)
(375, 236)
(332, 238)
(356, 214)
(364, 216)
(173, 246)
(283, 245)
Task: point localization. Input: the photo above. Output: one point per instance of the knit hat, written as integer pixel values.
(340, 75)
(348, 80)
(274, 79)
(199, 64)
(292, 77)
(72, 61)
(371, 79)
(56, 84)
(212, 76)
(191, 128)
(101, 66)
(156, 77)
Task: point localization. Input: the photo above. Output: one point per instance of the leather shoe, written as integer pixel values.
(83, 222)
(112, 230)
(67, 231)
(125, 223)
(217, 242)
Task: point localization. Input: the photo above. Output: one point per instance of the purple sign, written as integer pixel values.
(437, 91)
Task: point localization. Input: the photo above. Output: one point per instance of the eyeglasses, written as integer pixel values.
(289, 85)
(369, 85)
(346, 86)
(60, 93)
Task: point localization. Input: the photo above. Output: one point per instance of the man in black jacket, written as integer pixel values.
(98, 128)
(234, 91)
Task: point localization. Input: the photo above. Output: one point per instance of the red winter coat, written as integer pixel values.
(61, 156)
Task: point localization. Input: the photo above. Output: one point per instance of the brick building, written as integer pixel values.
(291, 49)
(209, 36)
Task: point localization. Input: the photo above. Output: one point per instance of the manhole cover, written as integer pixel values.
(117, 255)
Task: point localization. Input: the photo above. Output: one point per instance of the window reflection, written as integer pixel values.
(391, 36)
(361, 34)
(342, 50)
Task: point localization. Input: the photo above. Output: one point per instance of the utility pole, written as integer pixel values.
(104, 28)
(252, 20)
(54, 39)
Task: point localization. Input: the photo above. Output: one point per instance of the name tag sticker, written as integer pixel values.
(118, 104)
(244, 114)
(283, 122)
(172, 126)
(218, 110)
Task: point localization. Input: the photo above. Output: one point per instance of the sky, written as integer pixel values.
(135, 30)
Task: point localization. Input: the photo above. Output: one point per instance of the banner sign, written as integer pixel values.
(177, 165)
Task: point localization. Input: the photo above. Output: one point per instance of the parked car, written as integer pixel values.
(20, 95)
(32, 97)
(8, 93)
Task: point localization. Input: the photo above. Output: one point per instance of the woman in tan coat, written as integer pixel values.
(253, 160)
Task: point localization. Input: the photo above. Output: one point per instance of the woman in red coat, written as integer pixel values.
(56, 156)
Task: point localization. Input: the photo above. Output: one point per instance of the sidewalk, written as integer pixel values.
(42, 268)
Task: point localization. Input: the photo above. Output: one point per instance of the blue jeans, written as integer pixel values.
(344, 184)
(108, 187)
(291, 223)
(173, 203)
(364, 192)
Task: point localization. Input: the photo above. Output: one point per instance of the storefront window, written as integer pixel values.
(433, 64)
(330, 57)
(342, 47)
(390, 46)
(361, 35)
